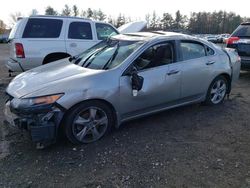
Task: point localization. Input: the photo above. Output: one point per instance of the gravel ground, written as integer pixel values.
(191, 146)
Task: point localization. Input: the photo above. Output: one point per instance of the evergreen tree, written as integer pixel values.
(89, 13)
(179, 22)
(50, 11)
(167, 21)
(33, 12)
(75, 10)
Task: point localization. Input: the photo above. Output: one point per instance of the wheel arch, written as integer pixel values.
(229, 80)
(114, 111)
(59, 55)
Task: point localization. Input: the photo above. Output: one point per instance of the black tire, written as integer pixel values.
(70, 125)
(209, 98)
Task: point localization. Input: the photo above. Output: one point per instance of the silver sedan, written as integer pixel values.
(125, 77)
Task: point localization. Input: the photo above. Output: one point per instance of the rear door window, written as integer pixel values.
(42, 28)
(104, 31)
(192, 50)
(80, 30)
(242, 31)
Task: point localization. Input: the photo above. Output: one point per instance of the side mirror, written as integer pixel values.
(137, 82)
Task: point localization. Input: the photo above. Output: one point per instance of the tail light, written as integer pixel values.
(232, 40)
(19, 50)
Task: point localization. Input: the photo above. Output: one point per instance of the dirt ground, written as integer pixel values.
(191, 146)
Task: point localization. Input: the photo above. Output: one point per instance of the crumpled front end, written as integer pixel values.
(41, 121)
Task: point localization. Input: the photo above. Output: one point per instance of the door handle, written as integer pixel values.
(210, 63)
(173, 72)
(73, 45)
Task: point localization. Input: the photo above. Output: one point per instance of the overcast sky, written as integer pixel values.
(133, 8)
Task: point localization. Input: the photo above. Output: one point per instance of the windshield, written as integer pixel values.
(107, 54)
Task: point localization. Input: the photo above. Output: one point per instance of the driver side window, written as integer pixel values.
(154, 56)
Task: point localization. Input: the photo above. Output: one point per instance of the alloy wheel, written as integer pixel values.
(90, 124)
(218, 91)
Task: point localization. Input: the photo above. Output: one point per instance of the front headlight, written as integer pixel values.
(35, 101)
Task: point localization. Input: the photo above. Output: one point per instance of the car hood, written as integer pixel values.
(132, 27)
(45, 76)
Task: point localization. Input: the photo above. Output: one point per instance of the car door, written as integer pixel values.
(195, 66)
(159, 88)
(80, 36)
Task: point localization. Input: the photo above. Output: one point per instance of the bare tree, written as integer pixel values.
(66, 11)
(83, 14)
(33, 12)
(111, 20)
(2, 27)
(121, 20)
(15, 17)
(94, 15)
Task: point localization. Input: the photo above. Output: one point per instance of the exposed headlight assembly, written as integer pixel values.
(35, 102)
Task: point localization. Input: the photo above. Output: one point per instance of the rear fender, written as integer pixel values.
(235, 63)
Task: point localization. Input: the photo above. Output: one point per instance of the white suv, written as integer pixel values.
(38, 40)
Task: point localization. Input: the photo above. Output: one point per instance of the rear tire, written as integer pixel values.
(88, 122)
(217, 91)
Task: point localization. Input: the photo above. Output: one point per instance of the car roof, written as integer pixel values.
(161, 35)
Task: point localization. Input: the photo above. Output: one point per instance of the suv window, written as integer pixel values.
(42, 28)
(104, 31)
(192, 50)
(80, 30)
(14, 29)
(154, 56)
(242, 31)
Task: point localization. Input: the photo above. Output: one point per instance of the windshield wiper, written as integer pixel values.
(93, 54)
(86, 60)
(105, 67)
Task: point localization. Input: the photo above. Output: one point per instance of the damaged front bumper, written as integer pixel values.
(41, 123)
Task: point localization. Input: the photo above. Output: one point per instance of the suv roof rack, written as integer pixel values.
(56, 16)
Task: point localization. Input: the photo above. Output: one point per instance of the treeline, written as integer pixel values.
(197, 22)
(200, 22)
(95, 14)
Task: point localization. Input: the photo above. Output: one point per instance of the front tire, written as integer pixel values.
(88, 122)
(217, 91)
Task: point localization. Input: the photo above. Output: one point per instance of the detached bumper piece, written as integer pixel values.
(43, 131)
